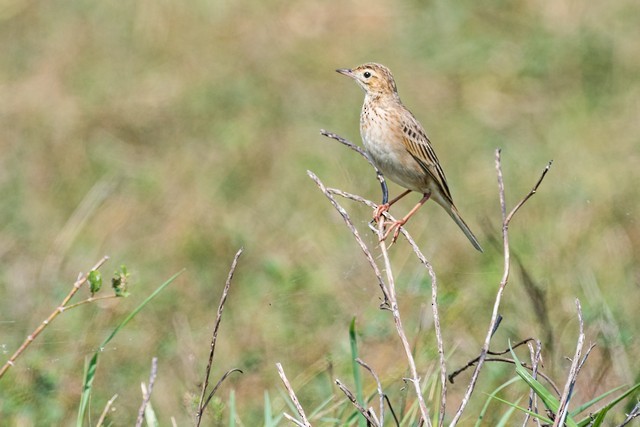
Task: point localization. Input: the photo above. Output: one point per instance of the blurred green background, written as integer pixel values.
(167, 134)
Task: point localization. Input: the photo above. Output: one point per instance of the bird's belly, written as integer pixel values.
(396, 163)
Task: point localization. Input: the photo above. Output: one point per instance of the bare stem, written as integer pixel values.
(356, 234)
(576, 364)
(533, 397)
(90, 300)
(105, 411)
(147, 394)
(415, 379)
(379, 387)
(387, 291)
(436, 324)
(202, 404)
(506, 219)
(82, 279)
(354, 147)
(368, 414)
(294, 398)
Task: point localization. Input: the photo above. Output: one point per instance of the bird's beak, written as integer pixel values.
(346, 71)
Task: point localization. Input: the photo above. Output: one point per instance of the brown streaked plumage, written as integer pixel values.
(399, 146)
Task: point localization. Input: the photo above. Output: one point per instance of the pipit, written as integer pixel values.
(399, 147)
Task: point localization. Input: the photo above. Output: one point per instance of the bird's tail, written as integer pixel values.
(453, 212)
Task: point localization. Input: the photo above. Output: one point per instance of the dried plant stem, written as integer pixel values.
(82, 279)
(294, 399)
(105, 411)
(356, 234)
(354, 147)
(146, 394)
(635, 413)
(379, 388)
(203, 403)
(393, 303)
(506, 219)
(576, 364)
(415, 379)
(368, 414)
(436, 324)
(533, 398)
(434, 297)
(90, 300)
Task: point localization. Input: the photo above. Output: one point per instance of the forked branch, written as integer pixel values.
(82, 279)
(506, 220)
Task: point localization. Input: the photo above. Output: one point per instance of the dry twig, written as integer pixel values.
(294, 399)
(635, 413)
(506, 220)
(379, 388)
(147, 394)
(390, 289)
(415, 379)
(533, 397)
(367, 413)
(82, 279)
(354, 147)
(576, 365)
(356, 235)
(204, 402)
(105, 411)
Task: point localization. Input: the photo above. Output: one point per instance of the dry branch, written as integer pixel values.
(82, 279)
(389, 290)
(105, 411)
(576, 365)
(533, 397)
(147, 393)
(368, 414)
(379, 388)
(506, 220)
(203, 402)
(356, 235)
(294, 399)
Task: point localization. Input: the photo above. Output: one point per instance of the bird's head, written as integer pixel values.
(375, 79)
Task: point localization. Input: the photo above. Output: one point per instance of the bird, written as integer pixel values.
(398, 145)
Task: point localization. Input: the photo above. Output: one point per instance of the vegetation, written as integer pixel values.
(169, 134)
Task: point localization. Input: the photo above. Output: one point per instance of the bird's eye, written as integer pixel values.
(366, 74)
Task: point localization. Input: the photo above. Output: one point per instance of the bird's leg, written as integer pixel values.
(395, 225)
(382, 208)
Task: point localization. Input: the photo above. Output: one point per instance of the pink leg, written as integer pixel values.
(377, 213)
(395, 225)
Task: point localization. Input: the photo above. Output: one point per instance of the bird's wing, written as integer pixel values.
(418, 145)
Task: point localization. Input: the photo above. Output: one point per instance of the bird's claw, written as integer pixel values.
(395, 227)
(380, 210)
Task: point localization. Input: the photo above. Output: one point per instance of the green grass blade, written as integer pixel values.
(232, 409)
(268, 415)
(357, 378)
(269, 419)
(150, 416)
(507, 415)
(495, 392)
(549, 400)
(525, 410)
(90, 368)
(592, 402)
(320, 407)
(600, 415)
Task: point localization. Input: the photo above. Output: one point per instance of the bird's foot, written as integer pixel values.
(395, 227)
(381, 209)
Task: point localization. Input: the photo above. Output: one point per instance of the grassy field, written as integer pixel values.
(169, 134)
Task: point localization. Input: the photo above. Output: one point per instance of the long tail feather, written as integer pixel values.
(453, 212)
